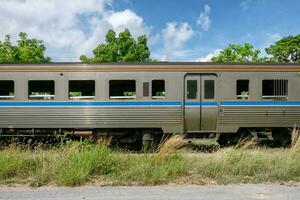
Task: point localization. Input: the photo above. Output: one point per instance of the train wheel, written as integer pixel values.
(150, 140)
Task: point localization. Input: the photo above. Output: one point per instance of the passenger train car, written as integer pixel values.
(141, 101)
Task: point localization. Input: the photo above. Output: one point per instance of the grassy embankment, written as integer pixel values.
(78, 163)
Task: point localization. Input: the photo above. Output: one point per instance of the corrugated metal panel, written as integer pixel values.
(22, 117)
(250, 115)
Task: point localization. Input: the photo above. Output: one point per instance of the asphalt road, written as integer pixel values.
(210, 192)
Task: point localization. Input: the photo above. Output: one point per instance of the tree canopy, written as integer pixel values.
(25, 51)
(285, 50)
(238, 53)
(123, 48)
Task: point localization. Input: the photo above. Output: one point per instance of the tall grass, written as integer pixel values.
(250, 165)
(79, 162)
(76, 163)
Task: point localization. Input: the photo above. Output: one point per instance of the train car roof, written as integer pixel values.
(150, 66)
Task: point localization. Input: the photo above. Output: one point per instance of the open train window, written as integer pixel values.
(158, 89)
(191, 89)
(81, 89)
(242, 89)
(7, 90)
(122, 89)
(275, 89)
(209, 89)
(41, 90)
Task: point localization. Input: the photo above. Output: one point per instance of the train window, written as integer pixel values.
(275, 89)
(191, 89)
(122, 89)
(41, 90)
(158, 89)
(145, 89)
(81, 89)
(242, 89)
(7, 90)
(209, 89)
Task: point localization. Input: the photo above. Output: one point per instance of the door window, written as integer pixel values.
(191, 91)
(209, 89)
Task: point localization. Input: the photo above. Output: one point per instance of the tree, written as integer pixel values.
(123, 48)
(238, 53)
(8, 52)
(285, 50)
(26, 50)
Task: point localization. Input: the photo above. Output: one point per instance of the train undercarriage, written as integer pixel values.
(136, 138)
(151, 137)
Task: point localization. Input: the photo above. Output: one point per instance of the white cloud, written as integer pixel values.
(70, 27)
(204, 20)
(245, 4)
(127, 19)
(209, 56)
(270, 38)
(174, 36)
(273, 37)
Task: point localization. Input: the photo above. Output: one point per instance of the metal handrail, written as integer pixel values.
(123, 97)
(40, 95)
(7, 97)
(83, 97)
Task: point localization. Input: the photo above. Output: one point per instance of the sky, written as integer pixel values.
(177, 30)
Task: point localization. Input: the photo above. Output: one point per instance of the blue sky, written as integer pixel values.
(190, 30)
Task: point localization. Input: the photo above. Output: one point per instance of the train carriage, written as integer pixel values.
(138, 101)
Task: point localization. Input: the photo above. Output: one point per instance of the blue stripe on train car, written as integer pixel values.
(208, 103)
(260, 103)
(84, 104)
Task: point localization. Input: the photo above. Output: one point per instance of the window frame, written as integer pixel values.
(164, 92)
(33, 97)
(274, 96)
(204, 89)
(196, 93)
(8, 97)
(242, 96)
(90, 97)
(134, 96)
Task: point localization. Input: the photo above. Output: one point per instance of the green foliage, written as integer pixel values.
(285, 50)
(26, 51)
(123, 48)
(238, 53)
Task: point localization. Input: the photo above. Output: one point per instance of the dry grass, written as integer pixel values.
(295, 144)
(76, 163)
(246, 143)
(295, 135)
(174, 144)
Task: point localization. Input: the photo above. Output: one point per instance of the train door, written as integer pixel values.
(200, 110)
